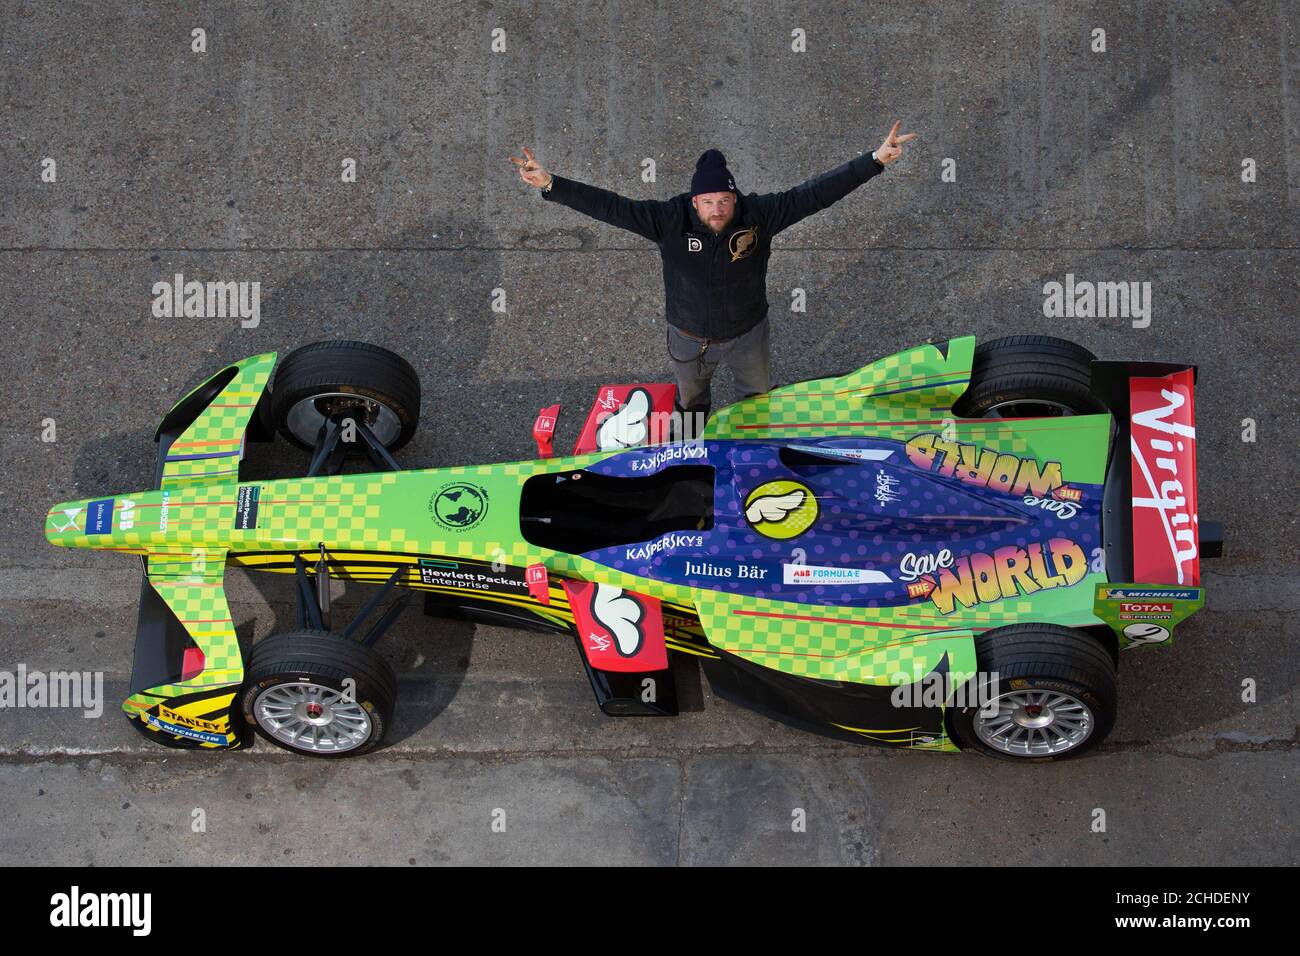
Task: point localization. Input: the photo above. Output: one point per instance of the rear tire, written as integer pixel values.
(345, 379)
(1029, 376)
(295, 694)
(1056, 692)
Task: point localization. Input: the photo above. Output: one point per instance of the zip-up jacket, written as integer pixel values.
(715, 286)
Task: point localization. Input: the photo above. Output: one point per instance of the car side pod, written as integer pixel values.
(620, 635)
(1153, 536)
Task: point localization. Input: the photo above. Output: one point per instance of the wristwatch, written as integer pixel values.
(876, 161)
(547, 187)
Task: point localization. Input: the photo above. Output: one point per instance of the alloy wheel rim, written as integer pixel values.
(1035, 723)
(306, 716)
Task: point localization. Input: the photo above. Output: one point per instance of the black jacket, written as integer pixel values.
(715, 287)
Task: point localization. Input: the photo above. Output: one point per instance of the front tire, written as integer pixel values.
(1055, 694)
(345, 380)
(1029, 376)
(315, 693)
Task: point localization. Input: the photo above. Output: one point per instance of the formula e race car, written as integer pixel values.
(946, 549)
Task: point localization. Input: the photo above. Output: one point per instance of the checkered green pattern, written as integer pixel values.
(343, 511)
(1078, 443)
(192, 585)
(913, 385)
(908, 394)
(219, 428)
(1014, 438)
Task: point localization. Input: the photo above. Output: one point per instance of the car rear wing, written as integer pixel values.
(1150, 525)
(1153, 537)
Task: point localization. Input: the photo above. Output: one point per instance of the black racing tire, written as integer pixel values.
(344, 368)
(285, 667)
(1031, 660)
(1020, 376)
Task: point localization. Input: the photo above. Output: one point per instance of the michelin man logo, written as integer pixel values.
(621, 615)
(628, 426)
(781, 509)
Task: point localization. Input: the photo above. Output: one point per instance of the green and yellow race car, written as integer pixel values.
(945, 549)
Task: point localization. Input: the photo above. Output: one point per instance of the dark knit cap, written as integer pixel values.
(712, 174)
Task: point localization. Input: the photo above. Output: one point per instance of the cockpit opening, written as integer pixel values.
(581, 511)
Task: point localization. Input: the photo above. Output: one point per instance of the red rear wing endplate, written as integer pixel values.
(1162, 442)
(1149, 519)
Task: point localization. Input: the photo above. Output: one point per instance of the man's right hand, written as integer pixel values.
(531, 171)
(892, 148)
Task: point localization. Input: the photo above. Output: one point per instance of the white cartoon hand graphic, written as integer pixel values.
(620, 615)
(627, 426)
(774, 507)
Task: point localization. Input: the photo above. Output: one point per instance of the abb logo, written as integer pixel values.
(1163, 442)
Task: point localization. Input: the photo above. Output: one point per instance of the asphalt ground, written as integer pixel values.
(1123, 165)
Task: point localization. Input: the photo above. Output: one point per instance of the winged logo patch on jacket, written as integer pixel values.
(743, 243)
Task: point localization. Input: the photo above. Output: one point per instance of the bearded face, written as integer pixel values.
(716, 210)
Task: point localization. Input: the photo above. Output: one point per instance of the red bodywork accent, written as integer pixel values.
(631, 639)
(1162, 424)
(192, 663)
(658, 403)
(539, 585)
(544, 430)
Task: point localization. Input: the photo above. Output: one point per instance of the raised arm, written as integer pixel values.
(778, 211)
(645, 217)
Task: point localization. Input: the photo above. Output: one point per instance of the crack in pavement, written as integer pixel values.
(1221, 746)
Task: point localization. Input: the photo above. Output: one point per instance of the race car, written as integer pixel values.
(946, 549)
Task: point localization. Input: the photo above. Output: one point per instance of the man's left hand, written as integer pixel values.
(892, 148)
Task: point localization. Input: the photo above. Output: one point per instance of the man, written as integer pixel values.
(715, 243)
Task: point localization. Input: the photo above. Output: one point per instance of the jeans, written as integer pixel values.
(695, 360)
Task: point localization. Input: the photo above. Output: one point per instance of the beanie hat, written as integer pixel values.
(712, 174)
